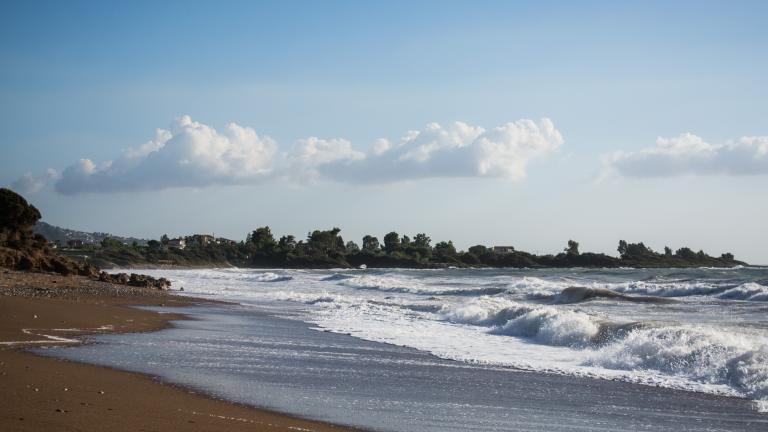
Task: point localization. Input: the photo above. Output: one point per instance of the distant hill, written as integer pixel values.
(55, 233)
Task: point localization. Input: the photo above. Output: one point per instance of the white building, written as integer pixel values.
(177, 243)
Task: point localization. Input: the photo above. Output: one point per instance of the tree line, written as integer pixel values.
(327, 248)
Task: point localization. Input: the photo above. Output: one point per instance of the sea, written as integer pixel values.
(469, 349)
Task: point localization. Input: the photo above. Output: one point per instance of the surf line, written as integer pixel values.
(51, 339)
(243, 420)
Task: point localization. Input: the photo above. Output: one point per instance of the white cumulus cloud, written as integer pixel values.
(690, 154)
(189, 154)
(30, 183)
(310, 153)
(455, 150)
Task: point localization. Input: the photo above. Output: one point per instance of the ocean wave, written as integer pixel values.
(699, 354)
(544, 324)
(749, 291)
(242, 276)
(409, 286)
(337, 277)
(266, 277)
(580, 294)
(384, 283)
(670, 289)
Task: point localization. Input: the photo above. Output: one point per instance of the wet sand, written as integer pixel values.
(41, 393)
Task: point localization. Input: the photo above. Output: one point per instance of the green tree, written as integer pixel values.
(164, 239)
(667, 251)
(262, 239)
(352, 247)
(445, 249)
(371, 244)
(421, 240)
(15, 212)
(637, 250)
(573, 248)
(287, 243)
(622, 248)
(478, 250)
(111, 243)
(392, 242)
(325, 242)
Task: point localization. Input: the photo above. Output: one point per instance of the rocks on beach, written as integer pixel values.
(20, 249)
(137, 280)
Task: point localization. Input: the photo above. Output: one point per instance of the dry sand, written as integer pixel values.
(45, 394)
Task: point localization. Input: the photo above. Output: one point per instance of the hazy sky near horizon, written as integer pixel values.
(523, 123)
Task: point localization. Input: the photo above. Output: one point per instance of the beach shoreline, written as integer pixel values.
(45, 393)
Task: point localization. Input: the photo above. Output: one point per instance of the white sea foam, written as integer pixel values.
(400, 285)
(509, 318)
(698, 354)
(544, 324)
(749, 291)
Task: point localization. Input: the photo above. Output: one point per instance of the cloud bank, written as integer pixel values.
(30, 183)
(689, 154)
(191, 154)
(456, 150)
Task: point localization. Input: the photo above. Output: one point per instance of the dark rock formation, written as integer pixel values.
(136, 280)
(20, 249)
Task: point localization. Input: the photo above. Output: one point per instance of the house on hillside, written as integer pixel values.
(177, 243)
(75, 243)
(225, 241)
(503, 249)
(201, 240)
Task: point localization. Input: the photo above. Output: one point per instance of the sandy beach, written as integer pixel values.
(40, 393)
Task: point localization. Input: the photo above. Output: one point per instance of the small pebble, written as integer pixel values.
(66, 389)
(101, 391)
(37, 389)
(59, 410)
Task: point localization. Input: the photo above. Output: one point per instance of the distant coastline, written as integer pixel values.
(327, 249)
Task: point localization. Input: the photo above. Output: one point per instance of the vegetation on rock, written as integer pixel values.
(22, 250)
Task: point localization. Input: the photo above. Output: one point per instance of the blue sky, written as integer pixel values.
(90, 80)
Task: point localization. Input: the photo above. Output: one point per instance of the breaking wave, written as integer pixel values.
(397, 285)
(646, 326)
(671, 289)
(580, 294)
(544, 324)
(337, 277)
(269, 277)
(749, 291)
(700, 354)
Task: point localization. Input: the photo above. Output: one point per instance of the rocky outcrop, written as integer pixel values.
(20, 249)
(137, 280)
